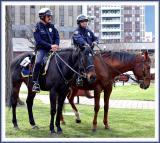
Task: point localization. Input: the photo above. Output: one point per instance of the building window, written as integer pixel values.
(79, 10)
(70, 10)
(53, 11)
(97, 11)
(137, 11)
(32, 14)
(127, 25)
(22, 15)
(137, 25)
(61, 15)
(137, 33)
(13, 14)
(70, 20)
(137, 18)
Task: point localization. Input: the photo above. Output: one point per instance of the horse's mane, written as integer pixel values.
(122, 56)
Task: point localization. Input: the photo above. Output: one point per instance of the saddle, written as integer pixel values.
(27, 65)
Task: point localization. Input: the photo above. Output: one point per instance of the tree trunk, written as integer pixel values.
(9, 53)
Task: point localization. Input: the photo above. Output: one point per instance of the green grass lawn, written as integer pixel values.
(133, 92)
(127, 92)
(125, 123)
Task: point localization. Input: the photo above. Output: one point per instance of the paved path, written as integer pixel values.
(134, 104)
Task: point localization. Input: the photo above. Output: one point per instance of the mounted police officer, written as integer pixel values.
(84, 39)
(47, 39)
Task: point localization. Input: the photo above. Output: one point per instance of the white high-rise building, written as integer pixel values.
(111, 23)
(115, 23)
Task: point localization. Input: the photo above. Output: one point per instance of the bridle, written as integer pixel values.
(144, 76)
(59, 57)
(138, 81)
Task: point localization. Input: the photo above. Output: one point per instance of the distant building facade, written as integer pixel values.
(117, 23)
(64, 18)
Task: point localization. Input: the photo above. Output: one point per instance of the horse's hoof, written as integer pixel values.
(78, 121)
(17, 128)
(94, 130)
(108, 128)
(35, 127)
(59, 131)
(53, 134)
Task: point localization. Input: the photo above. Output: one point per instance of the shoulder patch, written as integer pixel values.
(76, 32)
(88, 34)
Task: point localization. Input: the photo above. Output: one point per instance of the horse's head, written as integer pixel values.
(142, 70)
(86, 62)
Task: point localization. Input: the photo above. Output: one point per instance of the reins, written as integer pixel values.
(66, 81)
(129, 76)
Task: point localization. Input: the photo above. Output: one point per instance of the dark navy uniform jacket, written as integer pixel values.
(45, 36)
(82, 36)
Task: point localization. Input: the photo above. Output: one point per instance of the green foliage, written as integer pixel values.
(135, 123)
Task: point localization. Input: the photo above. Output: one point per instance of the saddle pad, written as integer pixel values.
(26, 72)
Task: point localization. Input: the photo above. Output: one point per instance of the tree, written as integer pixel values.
(9, 52)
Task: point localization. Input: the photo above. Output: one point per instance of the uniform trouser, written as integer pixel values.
(38, 63)
(88, 53)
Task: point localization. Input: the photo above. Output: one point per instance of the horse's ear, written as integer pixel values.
(145, 55)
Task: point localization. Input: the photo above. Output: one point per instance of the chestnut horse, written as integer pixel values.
(108, 65)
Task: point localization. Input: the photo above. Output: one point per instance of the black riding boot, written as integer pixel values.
(36, 86)
(79, 80)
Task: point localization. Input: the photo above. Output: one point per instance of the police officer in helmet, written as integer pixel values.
(84, 39)
(47, 40)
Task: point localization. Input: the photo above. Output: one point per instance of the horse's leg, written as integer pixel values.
(71, 101)
(14, 99)
(29, 102)
(61, 99)
(107, 92)
(62, 119)
(52, 109)
(97, 92)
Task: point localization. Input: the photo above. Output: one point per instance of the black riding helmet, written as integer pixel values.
(44, 12)
(81, 18)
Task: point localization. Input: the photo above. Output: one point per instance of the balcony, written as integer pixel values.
(110, 14)
(110, 30)
(111, 22)
(110, 36)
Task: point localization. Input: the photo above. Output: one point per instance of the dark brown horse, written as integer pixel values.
(108, 65)
(62, 70)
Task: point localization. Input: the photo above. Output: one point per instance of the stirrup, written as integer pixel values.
(36, 88)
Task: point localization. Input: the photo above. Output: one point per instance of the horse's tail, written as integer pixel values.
(10, 98)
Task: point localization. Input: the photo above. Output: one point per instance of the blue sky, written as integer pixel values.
(150, 19)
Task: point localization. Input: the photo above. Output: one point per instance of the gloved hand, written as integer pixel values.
(86, 46)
